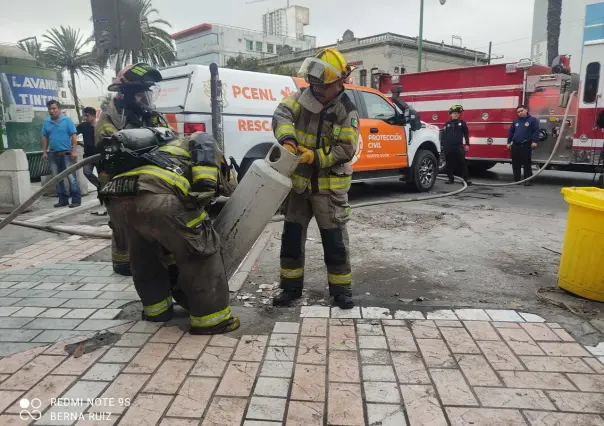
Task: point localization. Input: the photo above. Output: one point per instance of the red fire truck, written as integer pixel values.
(490, 94)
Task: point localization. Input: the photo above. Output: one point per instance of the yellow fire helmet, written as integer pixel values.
(326, 67)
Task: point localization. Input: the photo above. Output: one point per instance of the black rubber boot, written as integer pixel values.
(224, 327)
(449, 182)
(344, 301)
(286, 298)
(163, 317)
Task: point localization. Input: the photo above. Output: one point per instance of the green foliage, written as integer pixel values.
(253, 64)
(33, 48)
(66, 52)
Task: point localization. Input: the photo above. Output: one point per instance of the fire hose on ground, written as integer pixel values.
(68, 171)
(73, 168)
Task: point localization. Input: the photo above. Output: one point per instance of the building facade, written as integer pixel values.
(287, 21)
(388, 52)
(217, 43)
(572, 29)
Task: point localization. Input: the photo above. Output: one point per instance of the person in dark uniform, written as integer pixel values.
(522, 139)
(453, 134)
(86, 129)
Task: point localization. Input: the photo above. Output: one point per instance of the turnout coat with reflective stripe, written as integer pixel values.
(331, 130)
(204, 173)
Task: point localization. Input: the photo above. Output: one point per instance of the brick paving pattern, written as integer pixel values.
(365, 366)
(52, 250)
(319, 371)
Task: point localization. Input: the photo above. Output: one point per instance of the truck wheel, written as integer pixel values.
(424, 170)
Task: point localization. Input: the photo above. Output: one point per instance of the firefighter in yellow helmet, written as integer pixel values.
(321, 123)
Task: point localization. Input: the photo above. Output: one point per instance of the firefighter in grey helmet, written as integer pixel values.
(159, 198)
(131, 107)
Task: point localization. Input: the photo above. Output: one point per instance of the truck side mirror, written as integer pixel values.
(410, 116)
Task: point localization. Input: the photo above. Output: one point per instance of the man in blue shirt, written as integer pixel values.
(522, 139)
(59, 146)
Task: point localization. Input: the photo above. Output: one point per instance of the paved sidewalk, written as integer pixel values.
(472, 367)
(366, 366)
(50, 251)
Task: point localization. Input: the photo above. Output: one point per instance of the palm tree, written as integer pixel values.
(66, 51)
(33, 48)
(157, 48)
(554, 20)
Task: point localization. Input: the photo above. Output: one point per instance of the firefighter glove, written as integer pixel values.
(290, 146)
(307, 155)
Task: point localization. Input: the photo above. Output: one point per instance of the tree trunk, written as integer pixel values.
(554, 19)
(74, 92)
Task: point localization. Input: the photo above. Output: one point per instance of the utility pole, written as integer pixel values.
(421, 34)
(490, 47)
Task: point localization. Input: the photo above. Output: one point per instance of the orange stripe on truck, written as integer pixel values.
(172, 121)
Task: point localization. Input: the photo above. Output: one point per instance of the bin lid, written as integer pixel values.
(588, 197)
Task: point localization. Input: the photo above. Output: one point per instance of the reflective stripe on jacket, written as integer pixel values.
(199, 182)
(331, 131)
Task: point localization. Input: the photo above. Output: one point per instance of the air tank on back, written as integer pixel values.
(253, 203)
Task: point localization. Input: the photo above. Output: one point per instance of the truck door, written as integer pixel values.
(591, 103)
(384, 145)
(592, 83)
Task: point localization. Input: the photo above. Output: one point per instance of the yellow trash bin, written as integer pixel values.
(582, 263)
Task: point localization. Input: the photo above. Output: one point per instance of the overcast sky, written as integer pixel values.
(506, 23)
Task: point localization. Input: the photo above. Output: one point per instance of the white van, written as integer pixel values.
(391, 144)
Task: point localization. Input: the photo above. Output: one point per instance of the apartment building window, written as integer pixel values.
(259, 46)
(249, 44)
(270, 48)
(279, 50)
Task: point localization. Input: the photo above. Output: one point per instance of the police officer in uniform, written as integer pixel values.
(321, 123)
(158, 198)
(522, 139)
(453, 134)
(131, 108)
